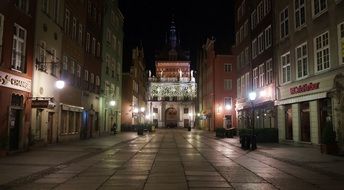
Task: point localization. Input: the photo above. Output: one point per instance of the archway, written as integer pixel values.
(171, 118)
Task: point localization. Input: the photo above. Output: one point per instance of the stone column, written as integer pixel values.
(314, 121)
(281, 122)
(296, 121)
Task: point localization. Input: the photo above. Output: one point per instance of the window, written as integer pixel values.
(56, 10)
(186, 110)
(86, 75)
(319, 7)
(322, 52)
(269, 74)
(260, 43)
(243, 89)
(94, 46)
(242, 58)
(247, 81)
(74, 28)
(302, 60)
(246, 28)
(286, 69)
(89, 8)
(300, 13)
(80, 34)
(65, 63)
(92, 78)
(261, 75)
(253, 19)
(1, 34)
(241, 33)
(260, 11)
(67, 20)
(247, 56)
(98, 49)
(227, 101)
(237, 38)
(98, 81)
(88, 42)
(228, 67)
(228, 84)
(19, 48)
(267, 6)
(155, 110)
(53, 62)
(254, 48)
(42, 52)
(23, 5)
(255, 78)
(72, 66)
(238, 88)
(340, 41)
(78, 70)
(268, 37)
(45, 6)
(284, 20)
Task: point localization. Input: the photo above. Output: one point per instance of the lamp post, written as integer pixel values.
(252, 96)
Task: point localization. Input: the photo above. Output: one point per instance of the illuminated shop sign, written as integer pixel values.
(12, 81)
(304, 88)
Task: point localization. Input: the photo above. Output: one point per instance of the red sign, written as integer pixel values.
(304, 88)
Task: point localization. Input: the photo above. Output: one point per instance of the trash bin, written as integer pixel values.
(140, 130)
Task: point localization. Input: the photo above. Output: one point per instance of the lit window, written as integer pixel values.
(319, 7)
(261, 75)
(300, 13)
(302, 60)
(19, 48)
(255, 78)
(284, 21)
(269, 74)
(322, 51)
(286, 68)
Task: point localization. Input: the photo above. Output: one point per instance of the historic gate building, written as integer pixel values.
(172, 91)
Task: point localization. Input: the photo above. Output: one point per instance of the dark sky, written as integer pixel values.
(147, 21)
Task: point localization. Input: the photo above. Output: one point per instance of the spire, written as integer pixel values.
(173, 34)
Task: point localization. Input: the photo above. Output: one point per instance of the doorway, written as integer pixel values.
(288, 123)
(171, 119)
(50, 127)
(305, 122)
(228, 121)
(14, 128)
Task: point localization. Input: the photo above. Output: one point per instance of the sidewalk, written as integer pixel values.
(44, 159)
(306, 157)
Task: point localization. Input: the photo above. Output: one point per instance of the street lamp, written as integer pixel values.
(252, 96)
(59, 84)
(112, 103)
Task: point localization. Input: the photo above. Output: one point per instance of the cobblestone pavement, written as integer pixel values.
(166, 160)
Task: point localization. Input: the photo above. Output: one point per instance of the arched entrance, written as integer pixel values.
(171, 118)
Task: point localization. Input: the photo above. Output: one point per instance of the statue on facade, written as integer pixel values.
(191, 73)
(150, 73)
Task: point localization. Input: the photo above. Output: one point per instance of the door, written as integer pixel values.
(50, 127)
(14, 131)
(305, 123)
(288, 123)
(186, 123)
(228, 121)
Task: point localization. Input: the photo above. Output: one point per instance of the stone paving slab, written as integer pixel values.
(174, 159)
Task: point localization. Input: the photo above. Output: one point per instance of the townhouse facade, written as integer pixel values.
(255, 64)
(308, 41)
(47, 56)
(111, 84)
(16, 65)
(134, 95)
(217, 89)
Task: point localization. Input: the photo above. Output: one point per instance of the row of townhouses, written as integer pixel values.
(291, 54)
(60, 70)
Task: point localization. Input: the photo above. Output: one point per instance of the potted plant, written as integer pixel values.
(220, 132)
(328, 139)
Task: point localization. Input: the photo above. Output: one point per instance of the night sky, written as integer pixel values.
(147, 21)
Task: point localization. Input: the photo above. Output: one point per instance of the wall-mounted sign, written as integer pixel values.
(304, 88)
(16, 82)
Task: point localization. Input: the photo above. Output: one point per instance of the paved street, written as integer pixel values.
(169, 159)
